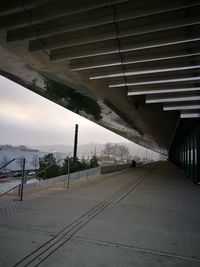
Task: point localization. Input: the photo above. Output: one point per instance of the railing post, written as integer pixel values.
(68, 173)
(23, 179)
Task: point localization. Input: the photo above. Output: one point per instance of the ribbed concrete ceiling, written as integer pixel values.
(134, 51)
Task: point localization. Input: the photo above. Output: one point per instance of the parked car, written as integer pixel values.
(17, 174)
(32, 173)
(3, 175)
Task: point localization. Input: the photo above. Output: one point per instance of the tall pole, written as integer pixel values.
(23, 179)
(75, 142)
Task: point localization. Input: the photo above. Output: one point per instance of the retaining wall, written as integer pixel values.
(76, 175)
(63, 178)
(113, 168)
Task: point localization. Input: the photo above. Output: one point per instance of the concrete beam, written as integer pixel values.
(162, 91)
(190, 114)
(168, 98)
(153, 81)
(179, 106)
(10, 6)
(164, 86)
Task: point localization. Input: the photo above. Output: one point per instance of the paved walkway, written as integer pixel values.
(140, 217)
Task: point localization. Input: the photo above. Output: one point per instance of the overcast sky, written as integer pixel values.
(29, 119)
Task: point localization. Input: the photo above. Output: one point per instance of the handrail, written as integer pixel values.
(20, 194)
(23, 176)
(8, 163)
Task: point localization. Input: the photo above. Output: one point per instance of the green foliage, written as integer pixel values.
(74, 166)
(48, 167)
(94, 162)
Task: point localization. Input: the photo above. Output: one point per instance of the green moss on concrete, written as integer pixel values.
(74, 101)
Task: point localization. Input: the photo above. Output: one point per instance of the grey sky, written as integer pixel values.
(29, 119)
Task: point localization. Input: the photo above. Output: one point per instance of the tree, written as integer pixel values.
(74, 165)
(48, 167)
(94, 162)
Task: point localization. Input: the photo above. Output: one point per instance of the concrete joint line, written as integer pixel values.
(144, 250)
(42, 253)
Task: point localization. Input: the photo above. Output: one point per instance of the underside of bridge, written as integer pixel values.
(130, 66)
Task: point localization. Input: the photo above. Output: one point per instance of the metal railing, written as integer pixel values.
(21, 184)
(64, 178)
(24, 180)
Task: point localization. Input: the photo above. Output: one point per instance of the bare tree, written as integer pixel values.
(123, 152)
(35, 161)
(4, 161)
(116, 152)
(59, 158)
(20, 162)
(107, 150)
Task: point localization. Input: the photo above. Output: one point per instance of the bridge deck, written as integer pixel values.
(139, 217)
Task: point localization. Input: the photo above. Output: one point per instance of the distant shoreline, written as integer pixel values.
(17, 148)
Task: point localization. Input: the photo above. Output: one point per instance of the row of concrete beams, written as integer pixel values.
(134, 72)
(161, 79)
(133, 43)
(10, 6)
(162, 55)
(54, 21)
(101, 17)
(159, 42)
(126, 28)
(150, 63)
(51, 9)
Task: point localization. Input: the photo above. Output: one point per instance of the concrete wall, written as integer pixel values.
(63, 178)
(77, 175)
(113, 168)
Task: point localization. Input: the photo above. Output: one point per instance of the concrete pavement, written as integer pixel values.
(139, 217)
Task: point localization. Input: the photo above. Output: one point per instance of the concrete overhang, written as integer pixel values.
(95, 57)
